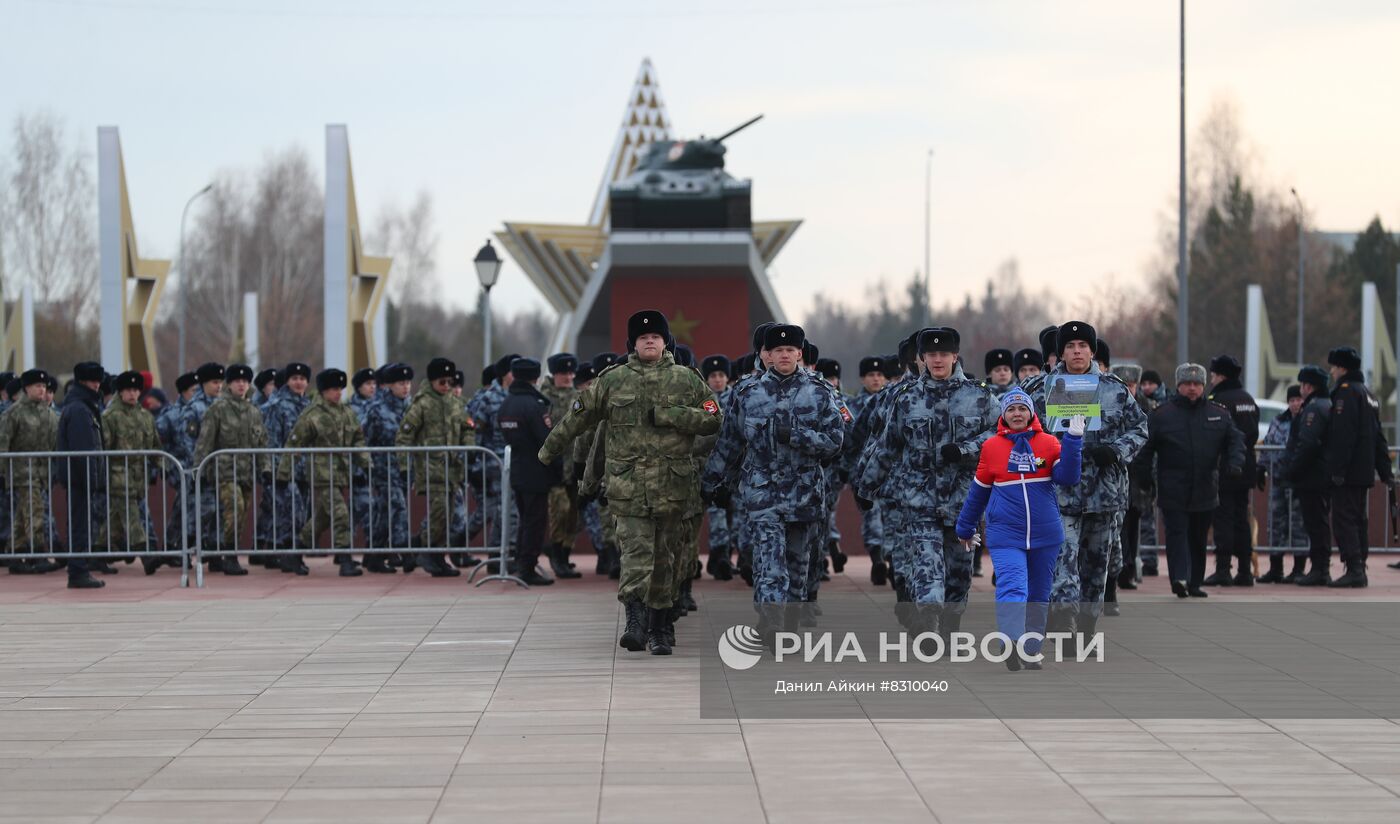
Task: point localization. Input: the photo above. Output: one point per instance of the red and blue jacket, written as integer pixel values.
(1014, 486)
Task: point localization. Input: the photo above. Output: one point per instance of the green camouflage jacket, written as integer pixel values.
(27, 426)
(232, 422)
(129, 427)
(433, 419)
(324, 424)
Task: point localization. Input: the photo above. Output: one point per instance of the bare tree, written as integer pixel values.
(48, 230)
(411, 238)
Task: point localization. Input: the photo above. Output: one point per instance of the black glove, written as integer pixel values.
(864, 504)
(951, 453)
(1388, 480)
(266, 478)
(578, 469)
(585, 500)
(782, 431)
(1103, 455)
(602, 499)
(1261, 478)
(719, 497)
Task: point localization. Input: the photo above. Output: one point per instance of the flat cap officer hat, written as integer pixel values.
(263, 378)
(331, 378)
(871, 363)
(1345, 357)
(828, 368)
(1226, 366)
(995, 358)
(939, 339)
(647, 322)
(758, 333)
(296, 369)
(1075, 330)
(525, 369)
(1027, 357)
(784, 334)
(89, 371)
(238, 372)
(1314, 376)
(209, 372)
(440, 368)
(33, 376)
(130, 379)
(562, 363)
(362, 376)
(1190, 373)
(715, 363)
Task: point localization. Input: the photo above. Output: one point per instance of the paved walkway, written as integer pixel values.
(382, 699)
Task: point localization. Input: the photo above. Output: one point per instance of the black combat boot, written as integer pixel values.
(348, 568)
(1275, 573)
(687, 598)
(838, 558)
(1299, 563)
(558, 564)
(1127, 579)
(292, 564)
(602, 567)
(1318, 576)
(1243, 578)
(718, 565)
(378, 564)
(634, 633)
(232, 567)
(1353, 578)
(1221, 577)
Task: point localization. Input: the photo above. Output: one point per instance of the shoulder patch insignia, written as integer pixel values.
(710, 406)
(578, 404)
(845, 414)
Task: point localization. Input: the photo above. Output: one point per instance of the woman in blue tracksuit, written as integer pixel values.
(1024, 532)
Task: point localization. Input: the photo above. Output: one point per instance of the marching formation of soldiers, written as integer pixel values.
(635, 449)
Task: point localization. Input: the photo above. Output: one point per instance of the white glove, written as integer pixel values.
(971, 544)
(1076, 426)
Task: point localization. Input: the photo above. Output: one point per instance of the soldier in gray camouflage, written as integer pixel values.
(1091, 509)
(921, 463)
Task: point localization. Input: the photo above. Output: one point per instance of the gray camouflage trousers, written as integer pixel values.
(593, 522)
(782, 553)
(718, 521)
(1081, 571)
(872, 531)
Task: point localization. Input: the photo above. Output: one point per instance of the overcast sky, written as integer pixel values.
(1053, 123)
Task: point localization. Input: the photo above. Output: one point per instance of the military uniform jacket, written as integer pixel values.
(903, 464)
(1101, 488)
(1303, 463)
(80, 430)
(868, 423)
(433, 419)
(1355, 450)
(1244, 412)
(172, 437)
(482, 410)
(382, 418)
(359, 404)
(27, 426)
(232, 423)
(778, 477)
(129, 427)
(525, 420)
(653, 413)
(1277, 435)
(1190, 441)
(326, 424)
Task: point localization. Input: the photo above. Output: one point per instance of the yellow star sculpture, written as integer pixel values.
(683, 328)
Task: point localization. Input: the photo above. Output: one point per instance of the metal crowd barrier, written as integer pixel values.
(1384, 532)
(283, 501)
(39, 489)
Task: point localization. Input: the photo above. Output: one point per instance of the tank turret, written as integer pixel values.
(682, 184)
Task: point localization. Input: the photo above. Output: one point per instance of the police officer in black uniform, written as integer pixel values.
(1355, 453)
(524, 422)
(1303, 466)
(1232, 531)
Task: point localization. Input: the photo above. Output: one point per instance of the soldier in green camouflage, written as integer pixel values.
(653, 410)
(232, 422)
(327, 423)
(435, 418)
(126, 426)
(563, 500)
(29, 425)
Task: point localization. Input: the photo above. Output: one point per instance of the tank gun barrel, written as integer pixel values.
(737, 129)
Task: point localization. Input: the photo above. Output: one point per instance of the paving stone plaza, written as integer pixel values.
(408, 699)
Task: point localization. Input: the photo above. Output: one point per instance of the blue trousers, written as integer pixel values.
(1024, 577)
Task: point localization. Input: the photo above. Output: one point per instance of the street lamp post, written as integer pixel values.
(928, 224)
(488, 268)
(184, 283)
(1183, 297)
(1299, 201)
